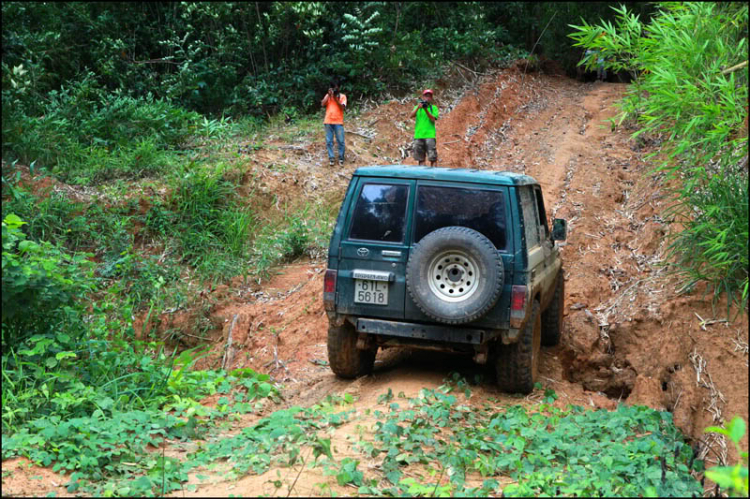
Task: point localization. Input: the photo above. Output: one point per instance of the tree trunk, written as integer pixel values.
(263, 37)
(398, 14)
(392, 48)
(250, 48)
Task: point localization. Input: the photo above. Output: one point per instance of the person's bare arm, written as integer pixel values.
(414, 112)
(324, 101)
(337, 101)
(432, 118)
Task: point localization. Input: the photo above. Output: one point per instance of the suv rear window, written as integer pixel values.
(481, 210)
(380, 213)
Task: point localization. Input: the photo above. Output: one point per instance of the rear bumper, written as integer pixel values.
(429, 332)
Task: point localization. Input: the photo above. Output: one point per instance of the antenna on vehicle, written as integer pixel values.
(532, 48)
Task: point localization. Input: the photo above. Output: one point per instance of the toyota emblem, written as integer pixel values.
(363, 252)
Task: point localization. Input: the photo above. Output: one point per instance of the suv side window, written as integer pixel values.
(380, 213)
(530, 217)
(542, 215)
(481, 210)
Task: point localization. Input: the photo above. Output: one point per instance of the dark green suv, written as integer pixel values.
(444, 259)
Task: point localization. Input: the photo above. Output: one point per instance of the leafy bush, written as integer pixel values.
(77, 388)
(713, 245)
(107, 441)
(86, 133)
(43, 320)
(41, 284)
(545, 450)
(732, 478)
(691, 91)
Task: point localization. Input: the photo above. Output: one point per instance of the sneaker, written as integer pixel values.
(330, 162)
(341, 162)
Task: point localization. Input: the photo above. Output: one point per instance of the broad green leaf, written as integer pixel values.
(736, 429)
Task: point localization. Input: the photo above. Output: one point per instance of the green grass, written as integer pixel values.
(303, 129)
(712, 247)
(208, 219)
(304, 232)
(201, 228)
(87, 135)
(50, 218)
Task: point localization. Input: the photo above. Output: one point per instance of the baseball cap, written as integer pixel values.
(428, 91)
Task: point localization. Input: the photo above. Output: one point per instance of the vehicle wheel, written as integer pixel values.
(344, 358)
(517, 365)
(552, 318)
(454, 275)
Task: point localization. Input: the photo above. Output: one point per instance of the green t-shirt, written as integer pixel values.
(425, 128)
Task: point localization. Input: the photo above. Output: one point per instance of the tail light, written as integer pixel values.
(329, 289)
(518, 299)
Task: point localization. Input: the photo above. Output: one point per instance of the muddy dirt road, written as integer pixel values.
(552, 132)
(628, 337)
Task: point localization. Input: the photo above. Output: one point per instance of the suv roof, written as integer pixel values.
(449, 174)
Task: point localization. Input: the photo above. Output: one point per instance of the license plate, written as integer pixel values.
(370, 292)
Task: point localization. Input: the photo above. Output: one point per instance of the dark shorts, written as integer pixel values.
(425, 145)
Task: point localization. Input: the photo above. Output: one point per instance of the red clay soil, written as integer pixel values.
(628, 336)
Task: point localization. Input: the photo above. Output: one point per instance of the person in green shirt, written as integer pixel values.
(424, 130)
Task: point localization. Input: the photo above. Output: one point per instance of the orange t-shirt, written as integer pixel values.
(334, 115)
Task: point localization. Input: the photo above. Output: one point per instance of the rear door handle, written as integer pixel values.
(390, 253)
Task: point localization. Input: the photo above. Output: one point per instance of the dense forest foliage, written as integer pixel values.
(103, 95)
(256, 57)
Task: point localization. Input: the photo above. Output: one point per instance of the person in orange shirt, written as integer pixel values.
(335, 103)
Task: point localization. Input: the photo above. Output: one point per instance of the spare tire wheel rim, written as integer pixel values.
(453, 276)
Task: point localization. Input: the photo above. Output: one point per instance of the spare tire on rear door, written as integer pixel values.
(454, 275)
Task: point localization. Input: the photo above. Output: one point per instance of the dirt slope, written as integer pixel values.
(627, 337)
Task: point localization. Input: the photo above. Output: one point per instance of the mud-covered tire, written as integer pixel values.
(552, 318)
(454, 275)
(517, 364)
(345, 359)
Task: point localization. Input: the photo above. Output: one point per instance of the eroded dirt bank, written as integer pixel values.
(628, 337)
